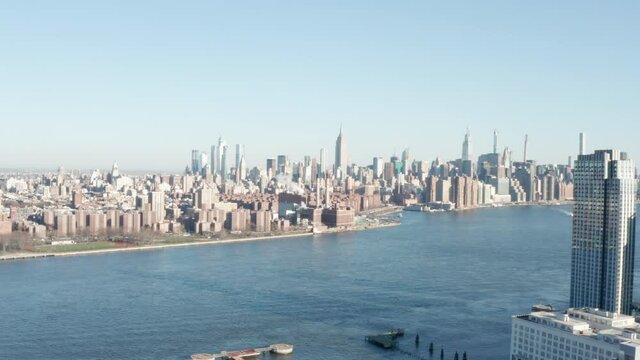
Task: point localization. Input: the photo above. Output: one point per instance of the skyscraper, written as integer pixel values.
(583, 144)
(525, 173)
(282, 164)
(212, 159)
(156, 200)
(221, 165)
(467, 163)
(341, 155)
(239, 154)
(323, 162)
(204, 162)
(466, 146)
(271, 167)
(406, 161)
(195, 161)
(495, 141)
(115, 170)
(603, 242)
(241, 170)
(378, 167)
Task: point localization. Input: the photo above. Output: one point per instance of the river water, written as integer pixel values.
(454, 278)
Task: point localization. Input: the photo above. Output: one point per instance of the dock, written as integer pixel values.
(25, 256)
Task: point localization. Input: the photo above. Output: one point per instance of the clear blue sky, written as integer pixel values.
(83, 83)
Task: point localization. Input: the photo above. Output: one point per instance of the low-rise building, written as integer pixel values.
(576, 334)
(338, 217)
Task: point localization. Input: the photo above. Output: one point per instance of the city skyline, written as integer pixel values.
(241, 179)
(80, 87)
(205, 154)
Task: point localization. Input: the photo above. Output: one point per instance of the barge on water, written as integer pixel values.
(280, 349)
(388, 340)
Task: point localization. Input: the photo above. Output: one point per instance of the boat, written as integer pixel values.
(282, 349)
(543, 307)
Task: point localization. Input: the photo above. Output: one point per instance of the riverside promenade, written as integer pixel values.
(35, 255)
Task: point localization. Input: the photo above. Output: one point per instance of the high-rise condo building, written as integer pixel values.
(603, 242)
(156, 200)
(241, 170)
(239, 154)
(583, 144)
(323, 162)
(495, 141)
(221, 164)
(212, 159)
(341, 155)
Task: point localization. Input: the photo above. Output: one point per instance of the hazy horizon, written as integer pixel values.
(84, 84)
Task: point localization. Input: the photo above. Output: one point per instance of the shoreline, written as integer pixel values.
(35, 255)
(555, 203)
(496, 206)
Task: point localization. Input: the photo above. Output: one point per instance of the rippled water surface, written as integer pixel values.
(455, 278)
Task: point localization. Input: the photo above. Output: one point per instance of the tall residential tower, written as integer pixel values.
(221, 163)
(323, 162)
(495, 141)
(603, 242)
(583, 144)
(239, 155)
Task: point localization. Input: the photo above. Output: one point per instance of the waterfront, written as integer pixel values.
(456, 278)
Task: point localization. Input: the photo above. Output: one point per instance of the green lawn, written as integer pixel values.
(77, 247)
(175, 240)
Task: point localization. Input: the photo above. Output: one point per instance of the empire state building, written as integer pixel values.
(341, 156)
